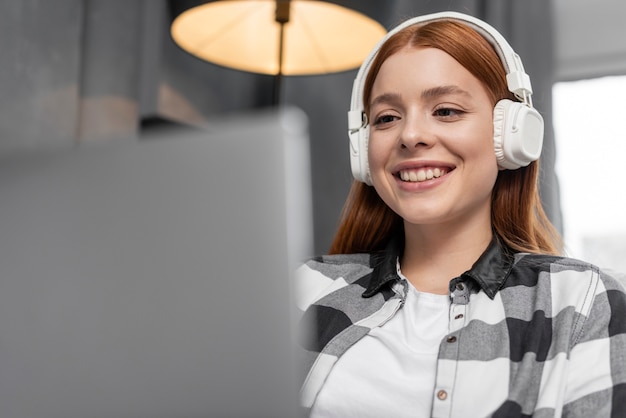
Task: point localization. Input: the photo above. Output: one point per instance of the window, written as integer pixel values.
(589, 123)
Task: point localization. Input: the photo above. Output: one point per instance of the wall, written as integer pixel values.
(589, 38)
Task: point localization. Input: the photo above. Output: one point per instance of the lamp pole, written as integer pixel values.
(282, 17)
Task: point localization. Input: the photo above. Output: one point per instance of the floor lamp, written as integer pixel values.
(277, 37)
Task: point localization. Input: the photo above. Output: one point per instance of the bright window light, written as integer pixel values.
(591, 152)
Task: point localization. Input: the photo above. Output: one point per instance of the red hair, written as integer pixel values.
(517, 215)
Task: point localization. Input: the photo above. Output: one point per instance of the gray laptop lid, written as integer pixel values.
(150, 278)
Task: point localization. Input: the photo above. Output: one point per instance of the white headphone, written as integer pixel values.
(518, 127)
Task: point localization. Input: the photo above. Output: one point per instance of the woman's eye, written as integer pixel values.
(384, 119)
(447, 112)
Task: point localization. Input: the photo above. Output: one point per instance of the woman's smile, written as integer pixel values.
(421, 174)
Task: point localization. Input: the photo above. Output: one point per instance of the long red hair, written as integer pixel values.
(517, 215)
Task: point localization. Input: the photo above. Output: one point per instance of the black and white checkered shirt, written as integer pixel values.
(529, 335)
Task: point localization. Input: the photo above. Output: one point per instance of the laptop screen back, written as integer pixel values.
(150, 278)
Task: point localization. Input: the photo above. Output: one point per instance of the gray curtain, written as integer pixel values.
(74, 71)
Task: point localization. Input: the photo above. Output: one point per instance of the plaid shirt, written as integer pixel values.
(529, 335)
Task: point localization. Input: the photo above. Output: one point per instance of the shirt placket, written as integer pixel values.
(449, 352)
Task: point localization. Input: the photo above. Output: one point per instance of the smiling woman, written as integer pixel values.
(517, 213)
(444, 266)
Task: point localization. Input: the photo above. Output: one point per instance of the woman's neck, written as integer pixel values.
(433, 255)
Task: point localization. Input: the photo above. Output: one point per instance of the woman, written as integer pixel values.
(444, 294)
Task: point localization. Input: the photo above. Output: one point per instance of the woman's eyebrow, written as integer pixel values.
(443, 91)
(426, 94)
(385, 98)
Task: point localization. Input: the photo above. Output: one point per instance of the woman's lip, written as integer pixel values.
(416, 185)
(420, 165)
(416, 165)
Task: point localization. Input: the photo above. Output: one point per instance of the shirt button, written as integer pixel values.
(460, 286)
(442, 395)
(451, 339)
(459, 316)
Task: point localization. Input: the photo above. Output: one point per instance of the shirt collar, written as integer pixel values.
(384, 265)
(490, 271)
(492, 268)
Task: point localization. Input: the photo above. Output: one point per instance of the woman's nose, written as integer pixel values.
(414, 134)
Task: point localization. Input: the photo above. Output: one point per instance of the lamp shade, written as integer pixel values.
(317, 38)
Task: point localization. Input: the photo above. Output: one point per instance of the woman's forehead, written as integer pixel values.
(431, 71)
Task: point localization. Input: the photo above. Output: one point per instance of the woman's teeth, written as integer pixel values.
(421, 174)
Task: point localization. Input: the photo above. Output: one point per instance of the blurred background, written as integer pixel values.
(146, 280)
(78, 71)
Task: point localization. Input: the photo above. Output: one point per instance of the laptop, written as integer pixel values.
(150, 278)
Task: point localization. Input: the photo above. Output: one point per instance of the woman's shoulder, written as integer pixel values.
(336, 266)
(569, 266)
(322, 275)
(583, 292)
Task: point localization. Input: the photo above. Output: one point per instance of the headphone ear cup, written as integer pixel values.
(517, 134)
(498, 128)
(359, 163)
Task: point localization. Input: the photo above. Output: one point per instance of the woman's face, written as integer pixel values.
(431, 151)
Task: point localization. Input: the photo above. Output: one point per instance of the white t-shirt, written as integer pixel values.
(391, 371)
